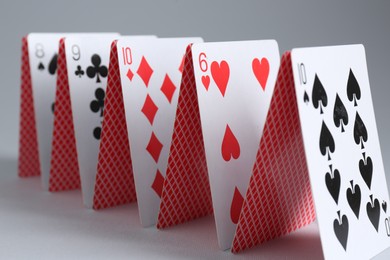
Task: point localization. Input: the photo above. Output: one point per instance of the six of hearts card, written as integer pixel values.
(188, 129)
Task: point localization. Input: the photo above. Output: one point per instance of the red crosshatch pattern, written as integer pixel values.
(28, 162)
(279, 199)
(114, 179)
(186, 191)
(64, 168)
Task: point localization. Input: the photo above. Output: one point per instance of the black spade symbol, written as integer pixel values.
(359, 131)
(319, 97)
(354, 197)
(353, 89)
(384, 206)
(366, 169)
(340, 227)
(333, 181)
(340, 114)
(374, 212)
(305, 98)
(41, 66)
(327, 145)
(53, 65)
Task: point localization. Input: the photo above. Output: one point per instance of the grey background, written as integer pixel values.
(38, 219)
(291, 23)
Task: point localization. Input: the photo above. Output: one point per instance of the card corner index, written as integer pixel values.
(187, 136)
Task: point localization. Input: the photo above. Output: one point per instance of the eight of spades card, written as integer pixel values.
(235, 82)
(342, 150)
(42, 49)
(150, 72)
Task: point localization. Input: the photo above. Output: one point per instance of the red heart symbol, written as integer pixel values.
(261, 70)
(220, 73)
(230, 145)
(206, 81)
(236, 206)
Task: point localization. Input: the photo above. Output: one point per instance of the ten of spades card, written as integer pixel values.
(342, 150)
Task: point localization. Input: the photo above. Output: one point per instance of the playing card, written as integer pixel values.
(87, 92)
(39, 65)
(342, 150)
(278, 199)
(43, 50)
(87, 64)
(64, 166)
(186, 190)
(150, 73)
(28, 156)
(235, 82)
(114, 179)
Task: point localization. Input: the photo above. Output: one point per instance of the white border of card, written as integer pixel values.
(342, 150)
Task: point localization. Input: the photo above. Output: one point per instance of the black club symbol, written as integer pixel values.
(96, 132)
(79, 72)
(96, 69)
(97, 105)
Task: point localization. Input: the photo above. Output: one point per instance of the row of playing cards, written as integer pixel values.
(189, 129)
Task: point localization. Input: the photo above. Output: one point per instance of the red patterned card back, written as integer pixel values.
(28, 161)
(114, 179)
(64, 168)
(186, 191)
(278, 199)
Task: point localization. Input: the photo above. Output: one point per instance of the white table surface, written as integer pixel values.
(35, 224)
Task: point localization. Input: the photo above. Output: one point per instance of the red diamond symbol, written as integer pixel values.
(149, 109)
(168, 88)
(158, 183)
(130, 75)
(181, 67)
(145, 71)
(154, 147)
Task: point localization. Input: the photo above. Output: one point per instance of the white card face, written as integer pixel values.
(43, 52)
(87, 59)
(150, 74)
(342, 150)
(235, 82)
